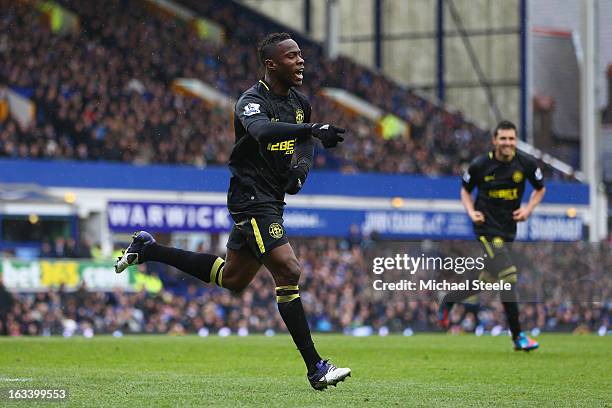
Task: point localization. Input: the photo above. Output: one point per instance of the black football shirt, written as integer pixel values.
(260, 168)
(501, 186)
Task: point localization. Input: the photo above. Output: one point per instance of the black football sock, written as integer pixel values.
(509, 301)
(292, 312)
(205, 267)
(512, 314)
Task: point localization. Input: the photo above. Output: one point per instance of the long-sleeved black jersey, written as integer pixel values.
(268, 128)
(500, 190)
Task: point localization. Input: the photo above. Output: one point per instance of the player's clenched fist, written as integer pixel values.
(477, 217)
(329, 135)
(296, 179)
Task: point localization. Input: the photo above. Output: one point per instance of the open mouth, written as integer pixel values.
(299, 74)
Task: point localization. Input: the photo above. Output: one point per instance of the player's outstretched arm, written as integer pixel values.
(255, 116)
(266, 131)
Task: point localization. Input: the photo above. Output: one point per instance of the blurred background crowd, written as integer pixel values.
(336, 289)
(105, 93)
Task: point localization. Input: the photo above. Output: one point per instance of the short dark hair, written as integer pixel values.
(504, 125)
(264, 49)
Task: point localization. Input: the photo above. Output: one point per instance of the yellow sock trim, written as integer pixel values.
(508, 271)
(220, 277)
(288, 287)
(512, 278)
(215, 269)
(487, 246)
(258, 238)
(287, 298)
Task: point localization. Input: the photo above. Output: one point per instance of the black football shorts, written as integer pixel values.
(260, 234)
(498, 261)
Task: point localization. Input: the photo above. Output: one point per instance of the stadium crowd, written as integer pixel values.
(104, 93)
(336, 289)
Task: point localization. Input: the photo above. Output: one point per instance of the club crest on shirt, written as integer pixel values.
(276, 230)
(251, 109)
(299, 116)
(517, 177)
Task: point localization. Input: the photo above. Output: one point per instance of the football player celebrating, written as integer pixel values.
(500, 178)
(272, 155)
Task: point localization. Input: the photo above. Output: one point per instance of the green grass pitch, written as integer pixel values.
(423, 370)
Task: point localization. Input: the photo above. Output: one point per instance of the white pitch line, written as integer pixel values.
(3, 379)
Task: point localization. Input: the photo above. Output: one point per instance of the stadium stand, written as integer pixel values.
(336, 292)
(113, 100)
